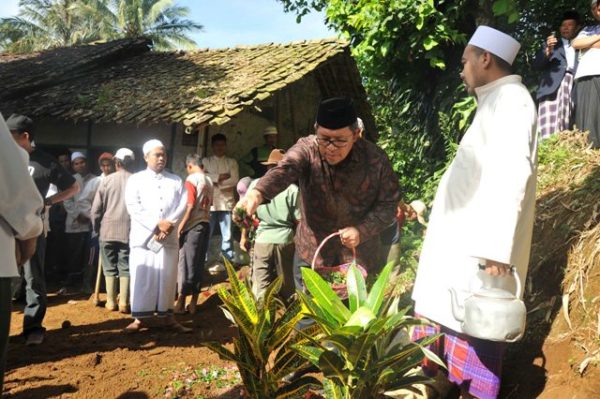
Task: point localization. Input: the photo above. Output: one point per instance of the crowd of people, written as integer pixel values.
(568, 93)
(152, 228)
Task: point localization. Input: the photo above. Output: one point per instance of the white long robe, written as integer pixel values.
(151, 197)
(20, 201)
(484, 206)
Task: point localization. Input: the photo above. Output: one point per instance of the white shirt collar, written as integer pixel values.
(485, 90)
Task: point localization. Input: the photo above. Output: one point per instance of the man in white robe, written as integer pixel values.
(483, 211)
(156, 201)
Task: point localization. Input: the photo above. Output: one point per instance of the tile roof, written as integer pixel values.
(126, 83)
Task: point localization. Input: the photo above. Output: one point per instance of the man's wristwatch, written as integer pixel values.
(48, 201)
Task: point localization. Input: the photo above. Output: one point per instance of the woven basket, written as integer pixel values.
(339, 289)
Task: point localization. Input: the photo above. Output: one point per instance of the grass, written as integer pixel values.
(185, 379)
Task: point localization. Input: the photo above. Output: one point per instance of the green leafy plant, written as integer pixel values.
(362, 349)
(261, 350)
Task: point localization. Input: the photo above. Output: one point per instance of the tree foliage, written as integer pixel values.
(43, 24)
(409, 55)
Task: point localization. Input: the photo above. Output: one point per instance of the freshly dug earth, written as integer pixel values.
(559, 356)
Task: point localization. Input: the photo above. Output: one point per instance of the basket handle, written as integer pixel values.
(337, 233)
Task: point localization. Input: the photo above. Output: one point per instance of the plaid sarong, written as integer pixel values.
(555, 111)
(474, 364)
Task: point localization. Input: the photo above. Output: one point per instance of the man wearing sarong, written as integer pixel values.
(483, 211)
(156, 201)
(346, 184)
(557, 62)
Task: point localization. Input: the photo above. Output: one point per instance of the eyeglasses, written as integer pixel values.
(323, 142)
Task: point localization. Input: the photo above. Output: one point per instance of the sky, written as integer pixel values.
(228, 23)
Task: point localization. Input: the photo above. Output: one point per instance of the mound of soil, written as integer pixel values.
(563, 279)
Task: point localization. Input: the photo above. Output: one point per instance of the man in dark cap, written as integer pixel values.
(347, 185)
(557, 62)
(45, 170)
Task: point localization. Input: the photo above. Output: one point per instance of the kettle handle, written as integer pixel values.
(513, 272)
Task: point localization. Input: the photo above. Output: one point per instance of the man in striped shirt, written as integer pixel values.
(111, 221)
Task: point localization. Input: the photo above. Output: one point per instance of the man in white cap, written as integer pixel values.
(78, 226)
(111, 221)
(482, 218)
(156, 201)
(45, 170)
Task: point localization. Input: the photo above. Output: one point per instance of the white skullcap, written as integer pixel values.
(496, 42)
(124, 152)
(150, 145)
(76, 155)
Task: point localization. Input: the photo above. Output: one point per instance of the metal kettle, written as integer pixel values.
(490, 313)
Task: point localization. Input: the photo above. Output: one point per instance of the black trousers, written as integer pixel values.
(193, 245)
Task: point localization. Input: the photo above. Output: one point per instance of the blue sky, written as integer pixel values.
(231, 22)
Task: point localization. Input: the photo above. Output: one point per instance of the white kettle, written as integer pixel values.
(491, 313)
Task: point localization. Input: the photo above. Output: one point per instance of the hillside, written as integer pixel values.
(560, 354)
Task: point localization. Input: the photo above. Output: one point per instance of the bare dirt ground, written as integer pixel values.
(92, 358)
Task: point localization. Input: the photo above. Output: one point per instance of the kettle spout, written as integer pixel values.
(458, 310)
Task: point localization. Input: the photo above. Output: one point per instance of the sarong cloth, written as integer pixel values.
(474, 364)
(555, 111)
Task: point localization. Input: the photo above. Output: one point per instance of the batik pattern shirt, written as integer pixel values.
(361, 191)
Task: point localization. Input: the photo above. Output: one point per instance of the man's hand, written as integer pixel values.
(160, 236)
(350, 237)
(24, 250)
(494, 268)
(165, 226)
(550, 44)
(249, 203)
(224, 176)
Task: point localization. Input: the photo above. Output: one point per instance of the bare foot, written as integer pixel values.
(133, 327)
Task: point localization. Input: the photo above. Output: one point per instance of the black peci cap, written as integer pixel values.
(336, 113)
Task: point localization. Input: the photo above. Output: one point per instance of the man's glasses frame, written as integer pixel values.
(324, 142)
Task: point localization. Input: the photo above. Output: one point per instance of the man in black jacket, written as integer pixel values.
(557, 61)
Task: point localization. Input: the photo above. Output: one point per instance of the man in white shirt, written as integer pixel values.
(78, 226)
(223, 172)
(156, 201)
(20, 225)
(483, 212)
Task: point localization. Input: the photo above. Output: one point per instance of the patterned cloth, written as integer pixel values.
(361, 191)
(473, 363)
(555, 111)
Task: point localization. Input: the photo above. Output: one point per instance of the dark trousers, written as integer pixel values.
(193, 245)
(270, 261)
(77, 255)
(5, 309)
(115, 258)
(35, 289)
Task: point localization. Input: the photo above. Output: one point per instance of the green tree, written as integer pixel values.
(409, 51)
(43, 24)
(160, 20)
